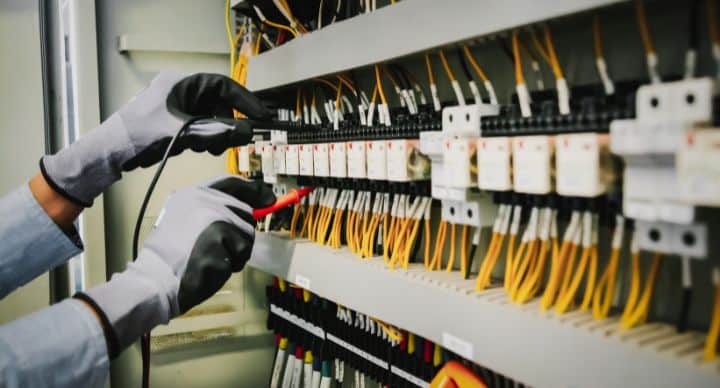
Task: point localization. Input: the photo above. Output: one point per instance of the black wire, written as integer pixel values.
(145, 340)
(473, 249)
(693, 26)
(505, 47)
(682, 322)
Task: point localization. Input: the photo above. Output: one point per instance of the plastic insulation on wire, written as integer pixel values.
(145, 341)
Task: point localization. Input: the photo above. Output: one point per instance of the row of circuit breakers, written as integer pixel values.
(651, 148)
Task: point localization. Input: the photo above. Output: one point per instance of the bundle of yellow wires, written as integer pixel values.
(367, 243)
(637, 305)
(309, 216)
(527, 282)
(493, 251)
(567, 252)
(604, 292)
(408, 231)
(587, 267)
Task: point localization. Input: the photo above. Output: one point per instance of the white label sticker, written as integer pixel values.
(306, 159)
(577, 162)
(397, 161)
(376, 160)
(458, 154)
(302, 281)
(292, 166)
(279, 158)
(338, 160)
(321, 159)
(494, 164)
(356, 159)
(457, 345)
(532, 164)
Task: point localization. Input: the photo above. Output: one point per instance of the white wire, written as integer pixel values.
(320, 15)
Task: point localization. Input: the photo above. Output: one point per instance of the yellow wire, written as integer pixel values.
(281, 27)
(228, 29)
(488, 263)
(540, 48)
(556, 274)
(643, 27)
(509, 256)
(428, 65)
(436, 261)
(379, 85)
(445, 64)
(570, 287)
(532, 284)
(293, 221)
(714, 331)
(603, 296)
(474, 64)
(391, 332)
(338, 95)
(426, 251)
(597, 37)
(326, 82)
(519, 77)
(527, 263)
(555, 64)
(451, 258)
(464, 251)
(639, 314)
(348, 84)
(634, 287)
(257, 43)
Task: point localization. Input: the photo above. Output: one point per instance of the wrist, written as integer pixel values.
(136, 300)
(111, 340)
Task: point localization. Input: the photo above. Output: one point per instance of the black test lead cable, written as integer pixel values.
(145, 340)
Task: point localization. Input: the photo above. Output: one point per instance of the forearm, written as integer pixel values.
(59, 346)
(32, 241)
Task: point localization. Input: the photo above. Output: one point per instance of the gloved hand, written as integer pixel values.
(202, 236)
(139, 133)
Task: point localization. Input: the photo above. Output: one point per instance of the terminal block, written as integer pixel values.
(655, 148)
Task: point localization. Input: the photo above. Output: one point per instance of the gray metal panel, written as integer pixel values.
(163, 41)
(82, 41)
(122, 75)
(404, 28)
(539, 349)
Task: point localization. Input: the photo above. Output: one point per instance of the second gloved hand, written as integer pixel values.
(140, 132)
(202, 236)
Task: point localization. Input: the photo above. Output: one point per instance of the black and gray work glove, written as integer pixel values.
(139, 133)
(202, 236)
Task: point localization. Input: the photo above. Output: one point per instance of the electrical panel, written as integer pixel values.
(589, 199)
